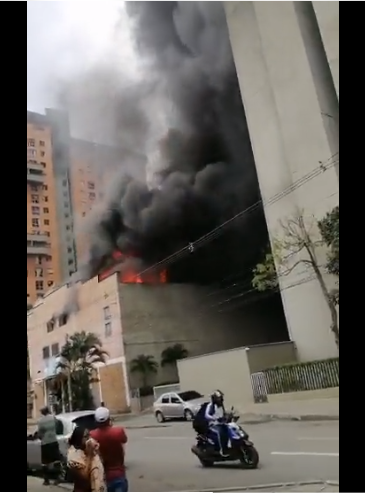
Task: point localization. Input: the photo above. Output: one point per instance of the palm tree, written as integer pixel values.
(172, 354)
(145, 365)
(77, 360)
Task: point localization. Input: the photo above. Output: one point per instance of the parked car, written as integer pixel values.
(178, 405)
(66, 423)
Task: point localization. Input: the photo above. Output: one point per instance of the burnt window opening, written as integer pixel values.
(51, 325)
(63, 319)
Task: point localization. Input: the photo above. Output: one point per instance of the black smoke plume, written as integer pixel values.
(200, 169)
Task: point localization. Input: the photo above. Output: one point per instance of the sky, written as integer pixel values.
(64, 38)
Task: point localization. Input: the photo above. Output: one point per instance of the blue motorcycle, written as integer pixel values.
(240, 448)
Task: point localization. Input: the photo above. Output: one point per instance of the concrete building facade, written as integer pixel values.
(132, 320)
(287, 60)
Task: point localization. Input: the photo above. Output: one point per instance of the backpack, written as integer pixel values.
(200, 424)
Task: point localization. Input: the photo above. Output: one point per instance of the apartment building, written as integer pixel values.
(65, 179)
(43, 253)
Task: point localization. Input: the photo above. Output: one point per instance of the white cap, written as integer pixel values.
(102, 414)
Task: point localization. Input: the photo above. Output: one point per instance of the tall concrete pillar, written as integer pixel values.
(328, 18)
(293, 117)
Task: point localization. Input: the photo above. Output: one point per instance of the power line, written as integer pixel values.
(207, 238)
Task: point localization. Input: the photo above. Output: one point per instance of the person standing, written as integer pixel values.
(50, 451)
(111, 441)
(84, 464)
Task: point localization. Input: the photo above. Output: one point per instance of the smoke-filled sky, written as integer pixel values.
(157, 78)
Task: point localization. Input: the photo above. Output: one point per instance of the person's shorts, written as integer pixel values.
(117, 485)
(50, 453)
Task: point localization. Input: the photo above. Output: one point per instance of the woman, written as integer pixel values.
(83, 461)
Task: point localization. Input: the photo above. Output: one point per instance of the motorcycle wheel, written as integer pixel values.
(249, 457)
(206, 462)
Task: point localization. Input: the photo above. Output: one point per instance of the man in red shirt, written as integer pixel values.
(111, 440)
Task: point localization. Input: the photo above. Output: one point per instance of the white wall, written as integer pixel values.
(292, 112)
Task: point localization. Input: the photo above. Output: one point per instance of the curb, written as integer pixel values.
(266, 418)
(270, 486)
(144, 427)
(68, 487)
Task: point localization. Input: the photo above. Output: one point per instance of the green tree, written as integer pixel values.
(145, 365)
(329, 227)
(78, 357)
(296, 247)
(171, 355)
(264, 274)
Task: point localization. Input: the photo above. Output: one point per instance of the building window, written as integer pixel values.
(35, 222)
(50, 325)
(36, 210)
(43, 153)
(42, 143)
(63, 319)
(45, 352)
(35, 199)
(64, 183)
(50, 272)
(45, 198)
(39, 272)
(70, 261)
(107, 314)
(30, 143)
(108, 329)
(55, 349)
(91, 195)
(34, 188)
(46, 210)
(31, 152)
(91, 185)
(69, 250)
(39, 285)
(46, 222)
(45, 187)
(40, 294)
(43, 164)
(39, 260)
(49, 284)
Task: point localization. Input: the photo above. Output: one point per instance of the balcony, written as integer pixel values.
(38, 244)
(35, 173)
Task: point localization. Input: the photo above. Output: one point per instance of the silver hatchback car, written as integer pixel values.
(66, 423)
(178, 405)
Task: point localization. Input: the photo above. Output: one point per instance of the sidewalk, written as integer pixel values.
(301, 410)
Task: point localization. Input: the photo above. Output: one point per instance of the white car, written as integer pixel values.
(66, 423)
(178, 405)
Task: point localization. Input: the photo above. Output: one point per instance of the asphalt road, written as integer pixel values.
(159, 459)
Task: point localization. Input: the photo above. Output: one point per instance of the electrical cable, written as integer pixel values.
(190, 248)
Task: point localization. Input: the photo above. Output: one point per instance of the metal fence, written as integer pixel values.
(313, 375)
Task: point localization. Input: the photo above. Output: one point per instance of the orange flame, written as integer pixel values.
(127, 275)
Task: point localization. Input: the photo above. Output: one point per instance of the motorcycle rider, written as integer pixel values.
(214, 415)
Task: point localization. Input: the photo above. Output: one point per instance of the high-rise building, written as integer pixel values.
(65, 179)
(43, 252)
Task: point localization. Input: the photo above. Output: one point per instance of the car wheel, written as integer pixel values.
(188, 415)
(64, 473)
(160, 417)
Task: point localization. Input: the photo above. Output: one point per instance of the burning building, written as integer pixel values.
(126, 268)
(143, 317)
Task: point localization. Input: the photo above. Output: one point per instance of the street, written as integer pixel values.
(159, 458)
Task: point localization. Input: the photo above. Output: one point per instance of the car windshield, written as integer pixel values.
(189, 395)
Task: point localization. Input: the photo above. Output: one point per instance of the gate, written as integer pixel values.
(162, 389)
(259, 387)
